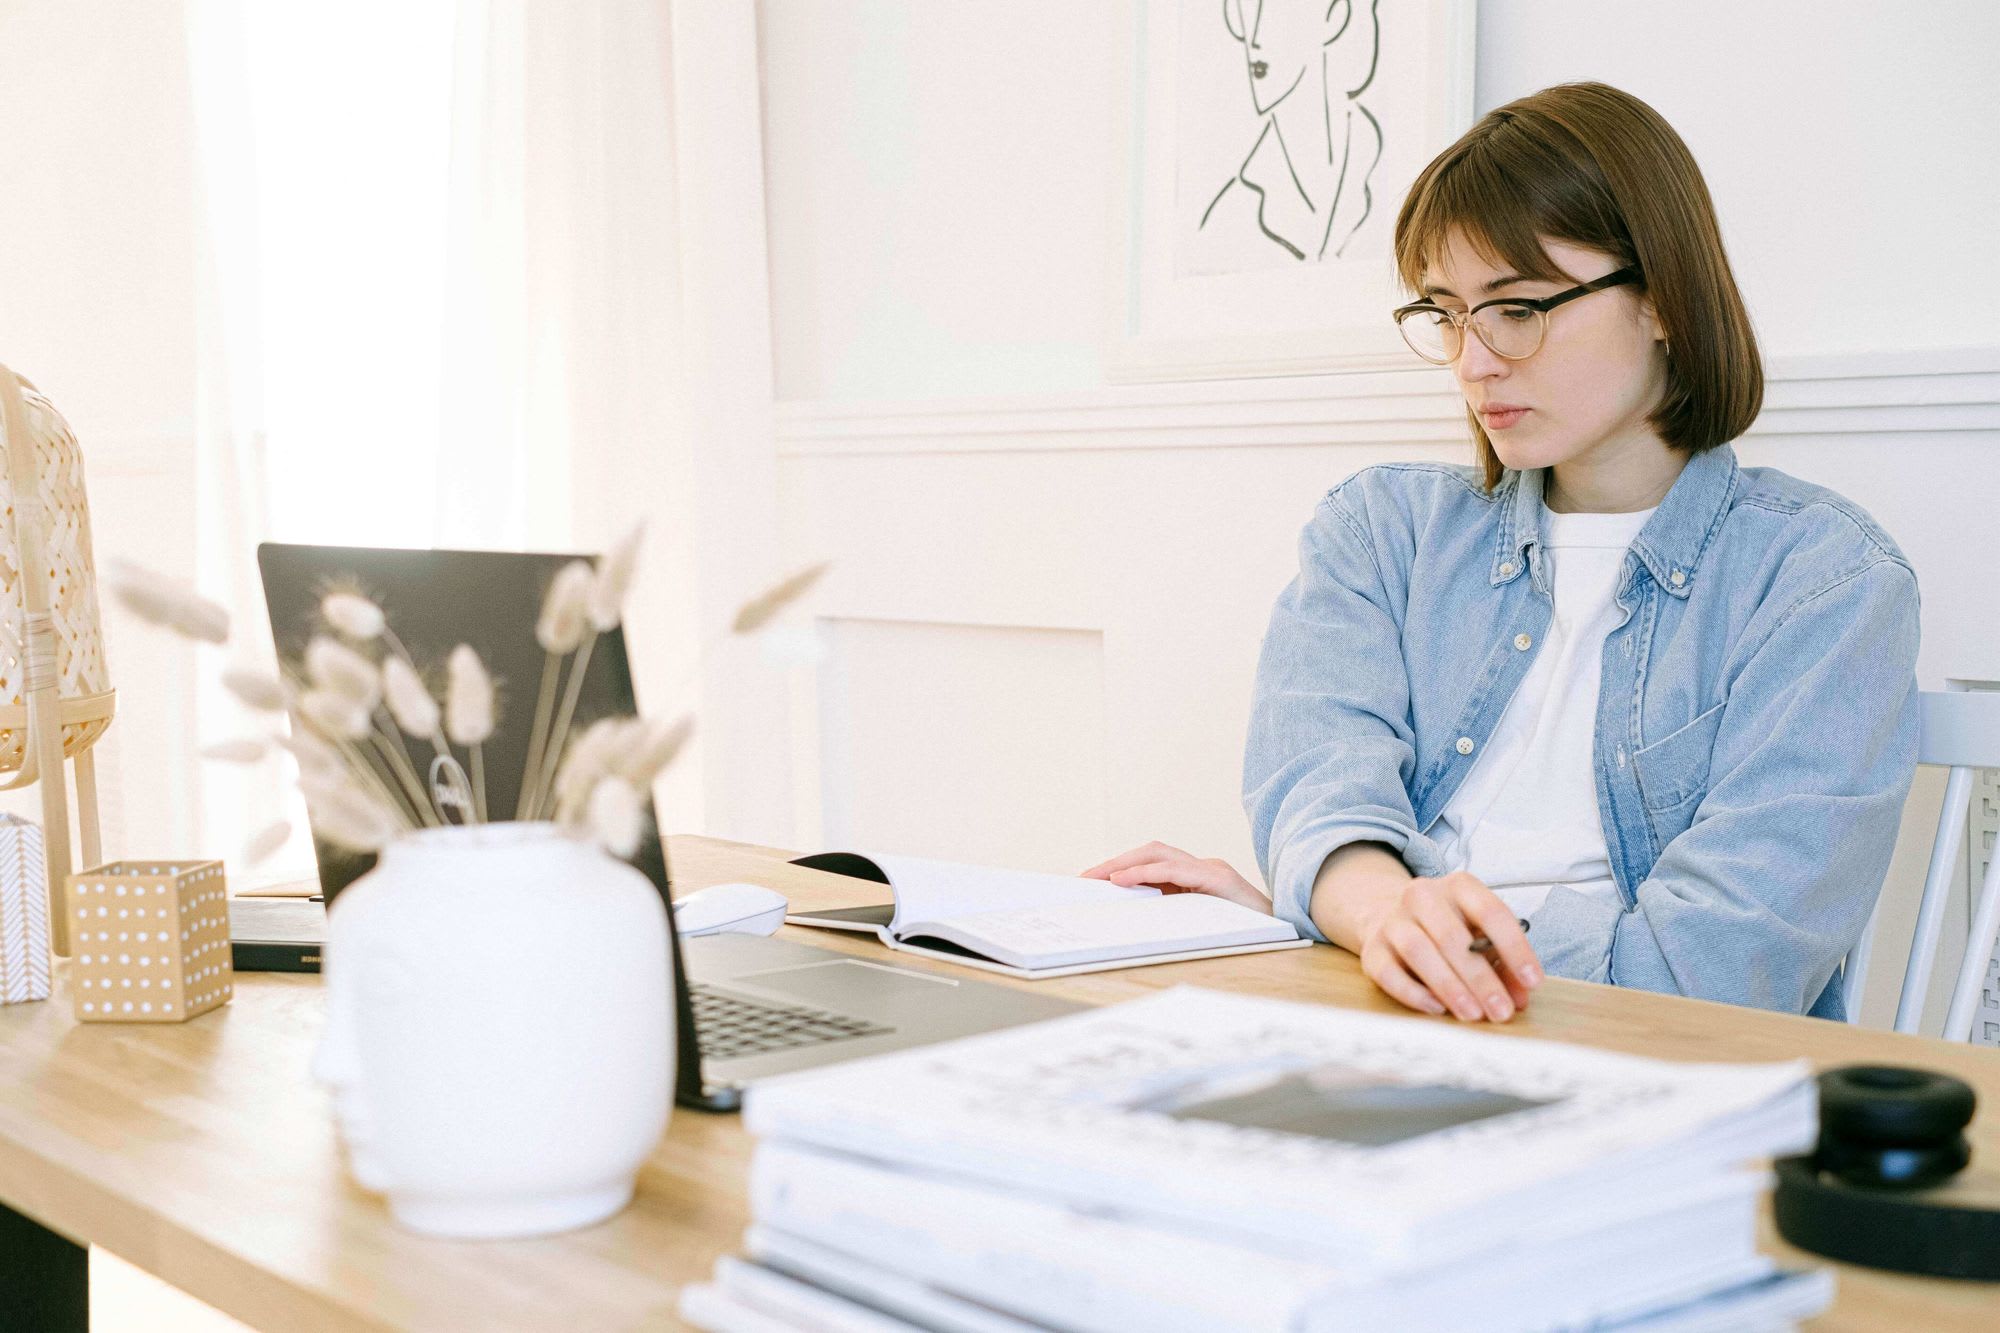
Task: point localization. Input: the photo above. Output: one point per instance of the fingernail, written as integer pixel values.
(1466, 1009)
(1431, 1006)
(1498, 1006)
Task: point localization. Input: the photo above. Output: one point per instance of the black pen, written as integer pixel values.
(1480, 944)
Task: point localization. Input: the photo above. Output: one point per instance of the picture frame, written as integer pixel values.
(1240, 246)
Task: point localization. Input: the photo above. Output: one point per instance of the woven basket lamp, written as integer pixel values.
(55, 689)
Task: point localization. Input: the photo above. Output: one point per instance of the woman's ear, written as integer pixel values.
(1649, 321)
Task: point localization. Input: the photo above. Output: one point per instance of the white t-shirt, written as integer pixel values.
(1526, 818)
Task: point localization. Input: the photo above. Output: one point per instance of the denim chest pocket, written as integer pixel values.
(1673, 770)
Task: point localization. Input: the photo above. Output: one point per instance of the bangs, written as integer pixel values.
(1506, 193)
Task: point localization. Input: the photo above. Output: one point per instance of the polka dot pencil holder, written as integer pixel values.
(151, 941)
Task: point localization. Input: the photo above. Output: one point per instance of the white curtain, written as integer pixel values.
(437, 292)
(562, 290)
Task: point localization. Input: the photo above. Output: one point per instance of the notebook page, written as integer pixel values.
(943, 890)
(1092, 932)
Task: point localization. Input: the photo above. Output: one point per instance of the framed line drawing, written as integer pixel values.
(1266, 148)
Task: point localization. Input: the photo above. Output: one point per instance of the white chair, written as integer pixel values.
(1960, 729)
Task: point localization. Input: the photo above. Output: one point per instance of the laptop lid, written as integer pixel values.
(434, 601)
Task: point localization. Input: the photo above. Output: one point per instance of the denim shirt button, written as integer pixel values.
(1464, 745)
(1507, 570)
(1677, 578)
(1522, 643)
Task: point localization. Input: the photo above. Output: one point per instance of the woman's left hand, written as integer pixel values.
(1171, 870)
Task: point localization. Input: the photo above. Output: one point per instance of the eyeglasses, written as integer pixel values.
(1511, 326)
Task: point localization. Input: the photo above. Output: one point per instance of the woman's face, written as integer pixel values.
(1599, 372)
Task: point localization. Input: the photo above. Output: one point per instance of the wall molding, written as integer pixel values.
(1906, 391)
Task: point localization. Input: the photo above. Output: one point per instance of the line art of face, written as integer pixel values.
(1281, 41)
(1304, 183)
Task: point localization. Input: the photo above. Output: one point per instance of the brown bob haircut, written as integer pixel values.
(1588, 165)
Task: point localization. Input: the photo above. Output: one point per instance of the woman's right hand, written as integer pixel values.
(1417, 946)
(1171, 870)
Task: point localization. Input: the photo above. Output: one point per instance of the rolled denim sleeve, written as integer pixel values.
(1331, 752)
(1771, 884)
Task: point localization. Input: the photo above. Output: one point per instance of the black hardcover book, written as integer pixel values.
(276, 934)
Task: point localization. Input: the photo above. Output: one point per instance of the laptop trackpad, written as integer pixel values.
(849, 984)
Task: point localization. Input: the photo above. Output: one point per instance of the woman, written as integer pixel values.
(1661, 706)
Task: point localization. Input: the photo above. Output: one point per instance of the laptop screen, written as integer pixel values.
(434, 601)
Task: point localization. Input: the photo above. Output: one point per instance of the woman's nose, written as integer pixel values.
(1476, 361)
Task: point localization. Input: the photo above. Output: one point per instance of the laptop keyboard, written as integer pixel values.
(733, 1025)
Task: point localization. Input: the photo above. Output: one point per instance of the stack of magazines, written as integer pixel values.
(1198, 1160)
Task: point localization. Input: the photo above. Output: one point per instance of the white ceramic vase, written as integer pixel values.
(499, 1041)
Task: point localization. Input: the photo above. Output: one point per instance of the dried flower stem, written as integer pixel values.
(374, 761)
(479, 782)
(544, 805)
(372, 780)
(440, 747)
(545, 700)
(357, 764)
(392, 749)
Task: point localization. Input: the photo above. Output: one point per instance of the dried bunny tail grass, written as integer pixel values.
(334, 715)
(614, 580)
(353, 615)
(566, 609)
(159, 600)
(248, 750)
(346, 814)
(590, 757)
(261, 691)
(314, 754)
(409, 702)
(468, 699)
(335, 668)
(647, 754)
(616, 816)
(763, 608)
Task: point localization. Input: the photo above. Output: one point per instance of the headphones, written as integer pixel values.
(1885, 1133)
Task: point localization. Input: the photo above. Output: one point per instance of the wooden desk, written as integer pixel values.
(205, 1153)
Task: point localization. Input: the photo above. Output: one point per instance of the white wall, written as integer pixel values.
(1850, 148)
(936, 181)
(97, 268)
(938, 204)
(937, 172)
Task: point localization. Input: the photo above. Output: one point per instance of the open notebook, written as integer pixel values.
(1034, 925)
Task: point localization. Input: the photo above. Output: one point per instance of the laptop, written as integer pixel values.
(746, 1007)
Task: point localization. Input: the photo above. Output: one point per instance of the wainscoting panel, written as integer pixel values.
(980, 743)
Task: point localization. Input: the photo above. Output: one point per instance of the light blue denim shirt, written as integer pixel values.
(1756, 724)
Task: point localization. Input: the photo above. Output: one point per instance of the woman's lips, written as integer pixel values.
(1502, 420)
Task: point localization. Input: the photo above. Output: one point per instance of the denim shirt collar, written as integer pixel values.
(1670, 545)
